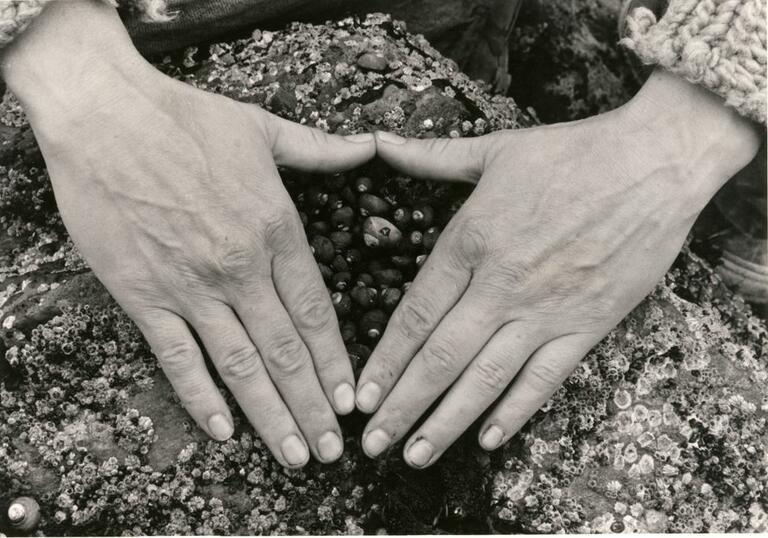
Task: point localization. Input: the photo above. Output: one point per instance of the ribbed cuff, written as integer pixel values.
(720, 45)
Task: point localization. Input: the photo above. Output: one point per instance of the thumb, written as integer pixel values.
(451, 159)
(312, 150)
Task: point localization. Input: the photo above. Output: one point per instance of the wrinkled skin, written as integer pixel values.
(173, 197)
(569, 227)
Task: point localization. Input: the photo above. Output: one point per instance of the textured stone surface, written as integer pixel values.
(661, 428)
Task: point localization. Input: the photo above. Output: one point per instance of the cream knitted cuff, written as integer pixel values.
(720, 44)
(15, 15)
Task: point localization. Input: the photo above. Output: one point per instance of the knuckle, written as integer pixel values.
(473, 242)
(504, 279)
(236, 258)
(241, 364)
(192, 395)
(414, 317)
(545, 375)
(176, 356)
(440, 357)
(281, 228)
(491, 375)
(313, 311)
(286, 354)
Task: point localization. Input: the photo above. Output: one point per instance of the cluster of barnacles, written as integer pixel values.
(678, 443)
(657, 430)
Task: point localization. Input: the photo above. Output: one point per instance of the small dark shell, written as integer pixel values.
(372, 205)
(365, 279)
(388, 278)
(339, 264)
(364, 184)
(423, 216)
(430, 237)
(402, 216)
(340, 281)
(319, 227)
(348, 330)
(372, 324)
(322, 247)
(341, 303)
(341, 240)
(363, 296)
(343, 218)
(390, 298)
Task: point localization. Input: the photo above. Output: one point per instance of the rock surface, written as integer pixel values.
(661, 428)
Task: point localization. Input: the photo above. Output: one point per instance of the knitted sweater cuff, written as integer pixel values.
(720, 45)
(15, 15)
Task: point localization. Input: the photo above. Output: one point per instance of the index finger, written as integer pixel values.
(436, 289)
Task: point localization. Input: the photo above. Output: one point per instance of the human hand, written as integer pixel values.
(173, 197)
(569, 227)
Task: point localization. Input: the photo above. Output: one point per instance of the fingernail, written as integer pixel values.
(294, 451)
(492, 437)
(390, 138)
(359, 138)
(220, 427)
(420, 453)
(329, 446)
(376, 442)
(344, 396)
(368, 397)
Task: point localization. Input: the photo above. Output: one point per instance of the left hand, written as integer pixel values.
(570, 226)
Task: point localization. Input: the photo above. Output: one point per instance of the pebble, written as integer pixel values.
(379, 232)
(373, 61)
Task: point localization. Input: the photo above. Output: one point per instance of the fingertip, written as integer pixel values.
(388, 138)
(375, 442)
(368, 397)
(420, 454)
(491, 438)
(360, 138)
(344, 399)
(330, 447)
(294, 451)
(220, 427)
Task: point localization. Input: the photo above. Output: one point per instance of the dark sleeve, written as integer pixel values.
(200, 21)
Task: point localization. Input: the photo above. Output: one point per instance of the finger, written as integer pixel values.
(437, 287)
(478, 387)
(242, 369)
(312, 150)
(182, 362)
(459, 337)
(300, 288)
(290, 366)
(453, 159)
(541, 376)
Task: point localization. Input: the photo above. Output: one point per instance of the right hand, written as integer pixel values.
(173, 197)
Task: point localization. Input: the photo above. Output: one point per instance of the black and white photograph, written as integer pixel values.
(383, 267)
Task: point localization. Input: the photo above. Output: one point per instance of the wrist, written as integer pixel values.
(73, 59)
(691, 129)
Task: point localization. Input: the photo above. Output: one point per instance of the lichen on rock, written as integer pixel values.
(661, 428)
